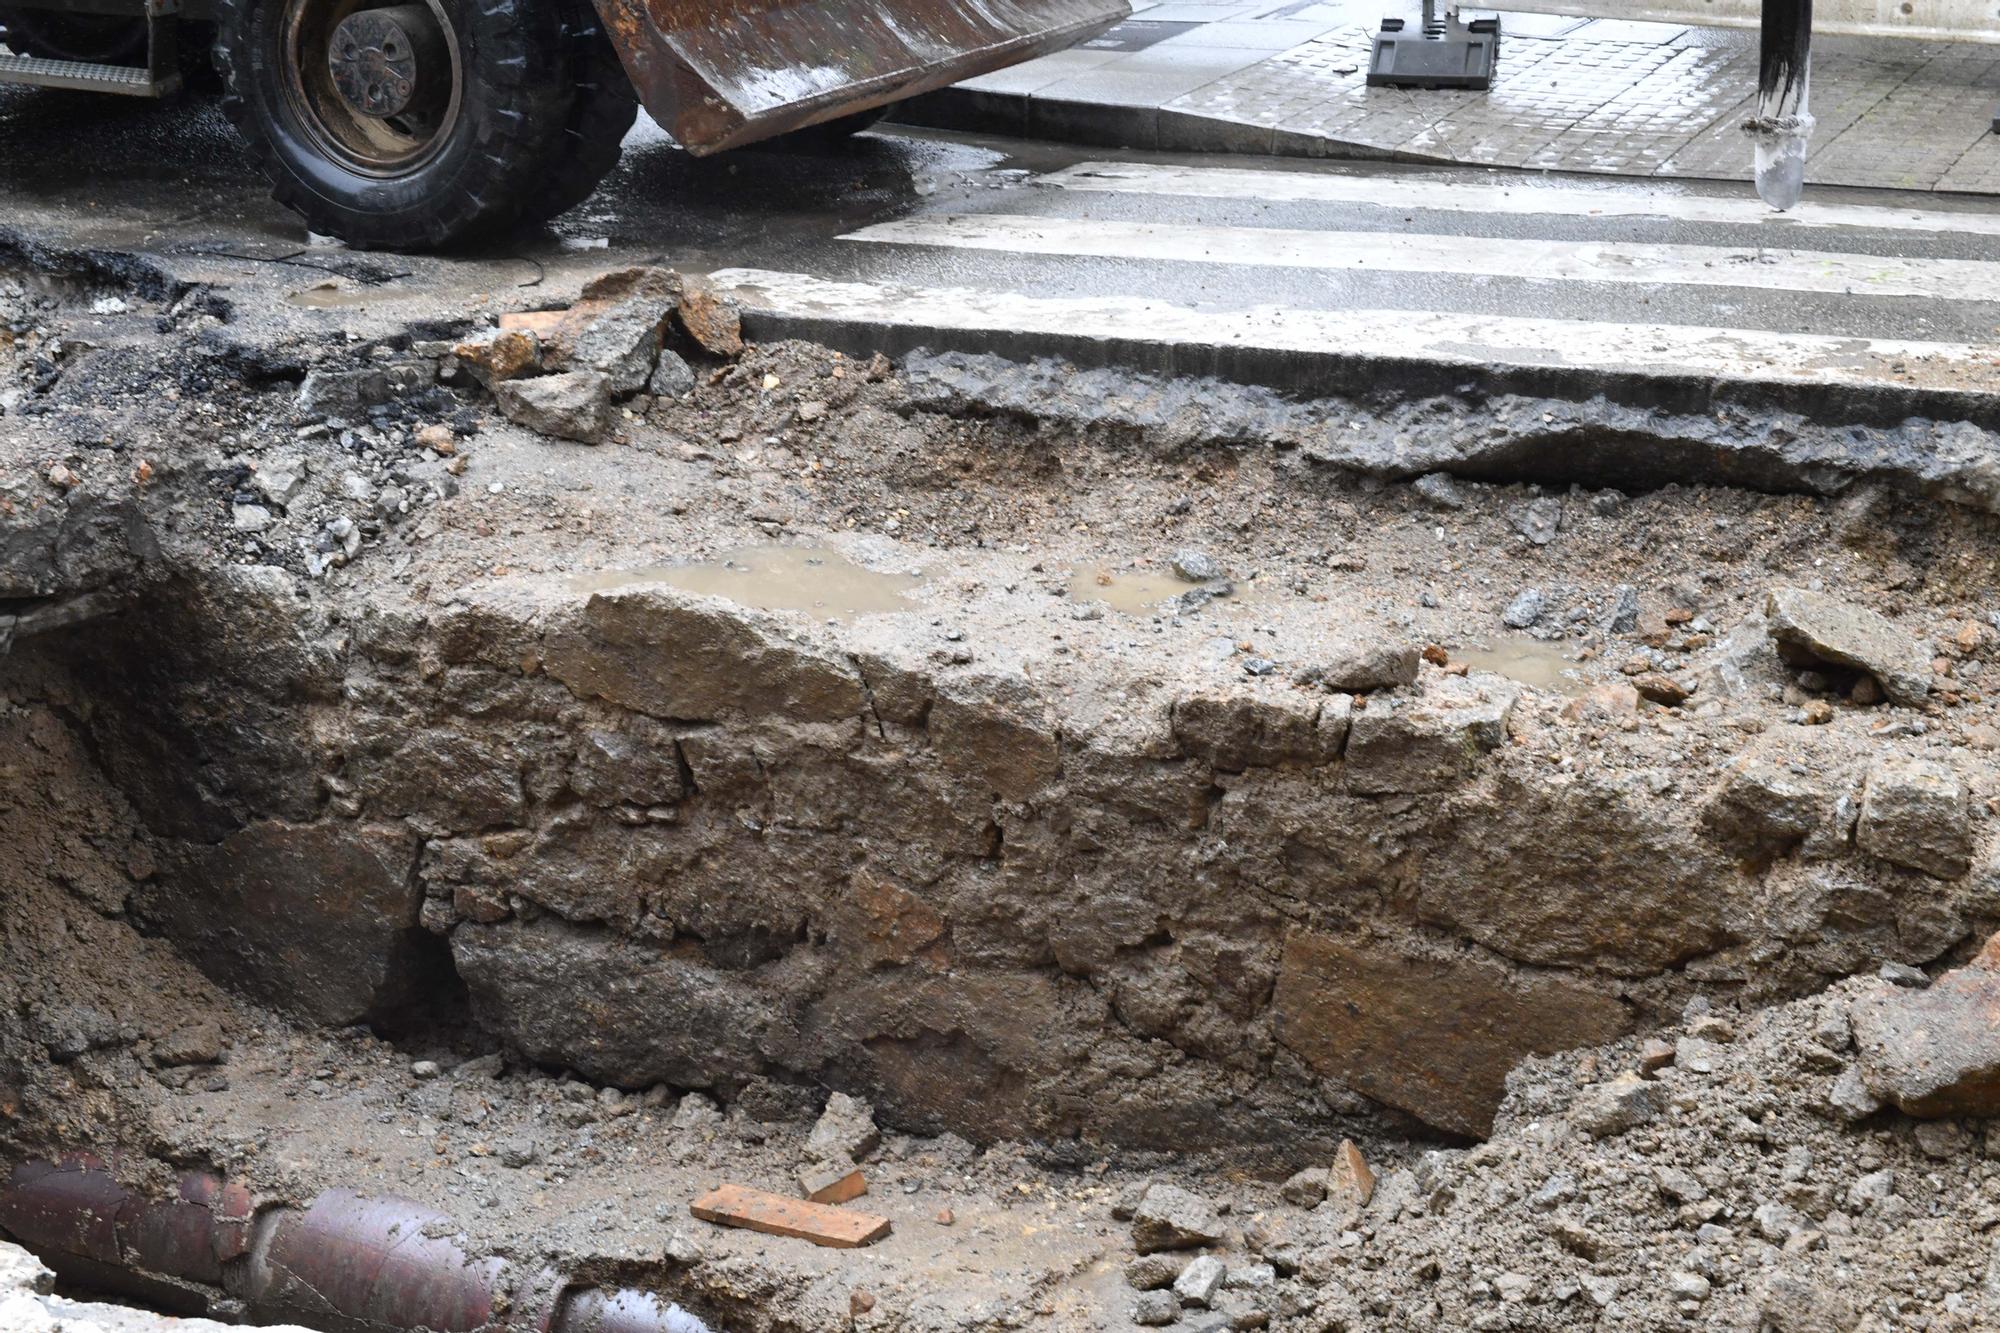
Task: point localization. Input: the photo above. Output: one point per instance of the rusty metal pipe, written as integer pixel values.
(344, 1263)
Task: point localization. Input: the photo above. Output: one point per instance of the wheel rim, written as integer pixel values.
(376, 87)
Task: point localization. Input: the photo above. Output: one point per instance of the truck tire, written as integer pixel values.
(598, 122)
(406, 126)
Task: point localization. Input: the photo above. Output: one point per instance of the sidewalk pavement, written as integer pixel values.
(1603, 95)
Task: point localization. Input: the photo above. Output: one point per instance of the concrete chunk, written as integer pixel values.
(1813, 626)
(1172, 1218)
(571, 406)
(832, 1182)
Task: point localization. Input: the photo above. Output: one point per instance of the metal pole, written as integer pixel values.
(1782, 125)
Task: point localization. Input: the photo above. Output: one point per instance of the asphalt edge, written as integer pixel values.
(1815, 438)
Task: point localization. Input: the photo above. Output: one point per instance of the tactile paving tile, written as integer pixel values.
(1919, 131)
(1900, 114)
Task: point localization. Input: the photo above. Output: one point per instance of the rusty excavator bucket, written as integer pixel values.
(719, 73)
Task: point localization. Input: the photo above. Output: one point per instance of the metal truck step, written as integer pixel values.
(131, 80)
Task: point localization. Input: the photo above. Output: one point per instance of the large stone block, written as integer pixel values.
(682, 658)
(996, 731)
(1235, 730)
(316, 919)
(1427, 743)
(1432, 1036)
(618, 1010)
(1913, 812)
(1586, 871)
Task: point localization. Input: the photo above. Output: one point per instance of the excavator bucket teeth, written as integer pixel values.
(719, 73)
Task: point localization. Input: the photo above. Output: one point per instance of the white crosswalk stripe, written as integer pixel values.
(1804, 302)
(1509, 195)
(1419, 252)
(1433, 337)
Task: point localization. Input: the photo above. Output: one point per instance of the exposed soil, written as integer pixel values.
(590, 887)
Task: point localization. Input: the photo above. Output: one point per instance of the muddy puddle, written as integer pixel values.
(811, 579)
(1544, 666)
(1136, 592)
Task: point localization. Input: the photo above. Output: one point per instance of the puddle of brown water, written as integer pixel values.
(811, 579)
(1545, 666)
(1133, 593)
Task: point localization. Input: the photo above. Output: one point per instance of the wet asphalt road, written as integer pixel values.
(895, 207)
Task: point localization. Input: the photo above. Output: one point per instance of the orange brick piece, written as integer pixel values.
(775, 1215)
(833, 1184)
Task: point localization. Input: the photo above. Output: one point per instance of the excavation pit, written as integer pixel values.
(542, 832)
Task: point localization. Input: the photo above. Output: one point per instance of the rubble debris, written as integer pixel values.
(1539, 520)
(775, 1215)
(1150, 1272)
(1306, 1187)
(710, 317)
(502, 353)
(1349, 1181)
(1200, 1280)
(832, 1182)
(575, 405)
(672, 377)
(1525, 609)
(845, 1132)
(1936, 1051)
(195, 1044)
(1171, 1218)
(1626, 1102)
(1193, 566)
(1813, 627)
(1439, 490)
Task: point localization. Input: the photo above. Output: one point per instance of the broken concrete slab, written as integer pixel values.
(1435, 1037)
(1935, 1052)
(1914, 813)
(1816, 627)
(613, 329)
